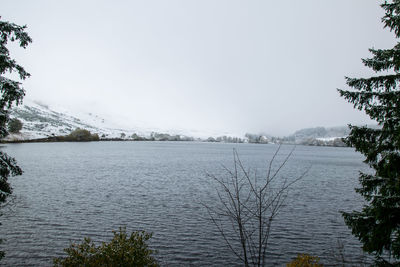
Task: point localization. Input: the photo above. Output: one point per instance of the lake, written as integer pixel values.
(74, 190)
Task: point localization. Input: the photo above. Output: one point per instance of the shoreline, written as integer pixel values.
(57, 139)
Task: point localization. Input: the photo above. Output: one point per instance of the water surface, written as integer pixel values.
(72, 190)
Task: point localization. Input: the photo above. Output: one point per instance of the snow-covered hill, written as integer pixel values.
(40, 121)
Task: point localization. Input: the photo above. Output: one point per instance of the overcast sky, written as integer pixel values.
(206, 65)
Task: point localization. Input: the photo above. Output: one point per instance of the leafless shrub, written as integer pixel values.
(250, 204)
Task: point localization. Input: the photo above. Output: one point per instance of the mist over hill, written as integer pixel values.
(321, 132)
(41, 121)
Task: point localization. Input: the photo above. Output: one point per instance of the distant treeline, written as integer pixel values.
(78, 135)
(83, 135)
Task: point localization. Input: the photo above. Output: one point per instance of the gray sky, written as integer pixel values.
(210, 65)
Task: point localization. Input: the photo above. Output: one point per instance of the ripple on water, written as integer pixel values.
(72, 190)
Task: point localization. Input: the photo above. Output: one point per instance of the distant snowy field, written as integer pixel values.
(41, 120)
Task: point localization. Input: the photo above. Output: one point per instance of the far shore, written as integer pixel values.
(58, 139)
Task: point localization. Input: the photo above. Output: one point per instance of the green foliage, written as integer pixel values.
(8, 166)
(136, 137)
(305, 260)
(81, 135)
(14, 125)
(123, 250)
(95, 137)
(11, 92)
(377, 225)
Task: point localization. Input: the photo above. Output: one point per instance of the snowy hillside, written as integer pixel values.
(321, 133)
(40, 121)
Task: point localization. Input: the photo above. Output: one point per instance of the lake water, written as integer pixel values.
(73, 190)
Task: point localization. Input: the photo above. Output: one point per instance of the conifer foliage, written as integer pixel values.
(123, 250)
(11, 93)
(377, 225)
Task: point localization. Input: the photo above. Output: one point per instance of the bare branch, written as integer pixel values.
(250, 205)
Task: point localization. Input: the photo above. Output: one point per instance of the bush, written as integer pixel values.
(121, 251)
(82, 135)
(14, 125)
(305, 260)
(95, 137)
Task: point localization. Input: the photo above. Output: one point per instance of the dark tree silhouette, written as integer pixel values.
(14, 125)
(11, 93)
(377, 225)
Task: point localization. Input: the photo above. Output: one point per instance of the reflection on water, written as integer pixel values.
(73, 190)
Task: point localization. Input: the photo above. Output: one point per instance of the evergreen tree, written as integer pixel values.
(11, 93)
(377, 225)
(14, 125)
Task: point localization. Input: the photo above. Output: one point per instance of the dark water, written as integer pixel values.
(73, 190)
